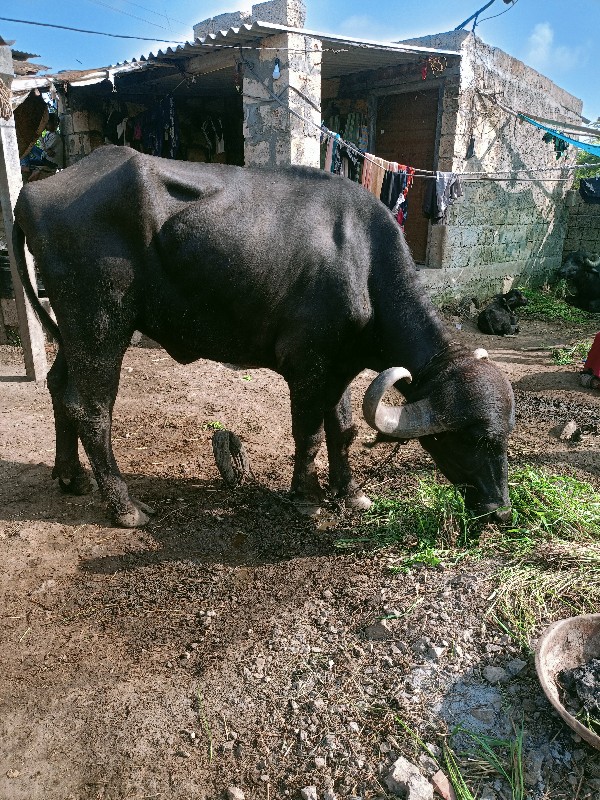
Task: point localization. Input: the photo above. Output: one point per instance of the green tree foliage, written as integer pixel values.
(588, 158)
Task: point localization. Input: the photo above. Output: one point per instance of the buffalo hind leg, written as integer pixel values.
(340, 433)
(90, 398)
(71, 475)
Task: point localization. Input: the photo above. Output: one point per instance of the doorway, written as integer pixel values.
(406, 132)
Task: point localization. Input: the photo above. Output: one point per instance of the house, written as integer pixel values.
(254, 88)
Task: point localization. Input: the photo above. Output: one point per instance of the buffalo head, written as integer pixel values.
(462, 417)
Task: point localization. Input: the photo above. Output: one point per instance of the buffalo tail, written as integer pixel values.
(18, 241)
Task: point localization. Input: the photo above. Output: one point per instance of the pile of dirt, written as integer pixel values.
(581, 693)
(232, 643)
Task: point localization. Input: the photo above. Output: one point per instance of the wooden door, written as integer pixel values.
(405, 132)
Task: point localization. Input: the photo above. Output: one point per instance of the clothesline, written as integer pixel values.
(422, 173)
(592, 149)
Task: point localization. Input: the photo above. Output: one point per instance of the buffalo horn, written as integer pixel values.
(401, 422)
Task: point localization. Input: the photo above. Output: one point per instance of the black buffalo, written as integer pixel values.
(499, 317)
(581, 270)
(295, 270)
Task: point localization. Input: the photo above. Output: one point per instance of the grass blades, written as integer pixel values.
(480, 757)
(433, 521)
(456, 777)
(553, 506)
(549, 554)
(575, 354)
(488, 755)
(549, 305)
(561, 579)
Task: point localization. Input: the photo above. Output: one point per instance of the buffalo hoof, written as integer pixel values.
(307, 508)
(78, 485)
(136, 517)
(358, 502)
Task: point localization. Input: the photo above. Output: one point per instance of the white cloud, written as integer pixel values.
(540, 44)
(543, 54)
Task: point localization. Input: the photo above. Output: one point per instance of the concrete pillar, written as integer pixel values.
(274, 136)
(30, 330)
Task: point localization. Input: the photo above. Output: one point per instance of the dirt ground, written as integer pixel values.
(228, 643)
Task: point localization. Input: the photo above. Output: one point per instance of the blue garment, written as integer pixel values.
(594, 149)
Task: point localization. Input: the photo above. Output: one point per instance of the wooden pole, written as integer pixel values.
(30, 329)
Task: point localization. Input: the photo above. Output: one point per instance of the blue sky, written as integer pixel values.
(558, 39)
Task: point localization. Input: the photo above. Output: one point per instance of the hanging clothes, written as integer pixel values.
(589, 189)
(400, 208)
(594, 149)
(441, 191)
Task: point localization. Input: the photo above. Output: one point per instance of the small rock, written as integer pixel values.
(442, 786)
(532, 764)
(570, 432)
(495, 675)
(233, 793)
(320, 762)
(378, 630)
(309, 793)
(483, 714)
(435, 653)
(329, 794)
(515, 666)
(428, 764)
(487, 793)
(421, 646)
(406, 780)
(13, 773)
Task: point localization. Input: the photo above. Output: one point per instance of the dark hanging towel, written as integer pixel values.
(589, 189)
(441, 190)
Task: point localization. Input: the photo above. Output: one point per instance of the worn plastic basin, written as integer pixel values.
(567, 644)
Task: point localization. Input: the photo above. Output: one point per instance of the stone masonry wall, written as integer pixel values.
(583, 227)
(501, 232)
(280, 12)
(273, 136)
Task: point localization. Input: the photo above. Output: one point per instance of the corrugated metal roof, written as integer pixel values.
(342, 55)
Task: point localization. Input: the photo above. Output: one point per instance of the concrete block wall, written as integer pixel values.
(81, 132)
(583, 226)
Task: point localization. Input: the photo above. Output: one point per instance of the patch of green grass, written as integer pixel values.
(434, 518)
(485, 757)
(574, 354)
(550, 305)
(488, 756)
(214, 425)
(552, 506)
(558, 579)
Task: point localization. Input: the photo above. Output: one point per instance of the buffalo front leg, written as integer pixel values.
(71, 475)
(90, 398)
(307, 430)
(340, 433)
